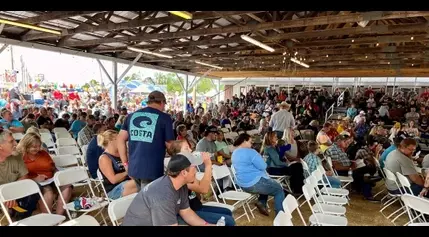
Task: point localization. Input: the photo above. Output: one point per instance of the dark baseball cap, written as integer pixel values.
(210, 129)
(156, 97)
(182, 161)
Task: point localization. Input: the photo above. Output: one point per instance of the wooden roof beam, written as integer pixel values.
(261, 26)
(136, 23)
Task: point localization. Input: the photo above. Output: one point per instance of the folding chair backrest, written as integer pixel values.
(305, 167)
(331, 166)
(228, 126)
(66, 142)
(118, 208)
(44, 130)
(46, 136)
(391, 177)
(17, 136)
(225, 130)
(283, 219)
(18, 189)
(220, 172)
(84, 148)
(308, 191)
(70, 176)
(84, 220)
(58, 130)
(100, 179)
(417, 203)
(290, 204)
(65, 160)
(404, 181)
(166, 161)
(68, 150)
(59, 135)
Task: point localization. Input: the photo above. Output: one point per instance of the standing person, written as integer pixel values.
(282, 120)
(149, 132)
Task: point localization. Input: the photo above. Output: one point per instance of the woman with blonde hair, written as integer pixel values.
(116, 181)
(40, 168)
(35, 130)
(394, 130)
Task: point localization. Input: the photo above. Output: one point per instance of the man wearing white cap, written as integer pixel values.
(360, 118)
(282, 120)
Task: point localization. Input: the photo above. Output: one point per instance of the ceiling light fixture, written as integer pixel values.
(257, 43)
(296, 53)
(184, 14)
(284, 53)
(377, 44)
(412, 38)
(299, 62)
(32, 27)
(412, 65)
(208, 65)
(339, 61)
(353, 41)
(366, 56)
(327, 55)
(149, 52)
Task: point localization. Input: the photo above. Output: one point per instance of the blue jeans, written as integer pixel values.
(268, 187)
(211, 215)
(117, 191)
(335, 183)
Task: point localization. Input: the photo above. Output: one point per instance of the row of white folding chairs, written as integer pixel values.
(416, 208)
(345, 180)
(404, 187)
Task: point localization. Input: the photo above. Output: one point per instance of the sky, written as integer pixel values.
(61, 68)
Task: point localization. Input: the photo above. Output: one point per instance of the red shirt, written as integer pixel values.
(58, 95)
(73, 96)
(43, 164)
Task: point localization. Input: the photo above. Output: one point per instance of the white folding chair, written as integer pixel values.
(394, 197)
(319, 207)
(239, 198)
(343, 179)
(65, 161)
(405, 183)
(327, 189)
(83, 220)
(24, 188)
(69, 150)
(283, 219)
(328, 199)
(58, 130)
(290, 204)
(78, 175)
(228, 126)
(416, 208)
(47, 139)
(166, 161)
(59, 135)
(320, 218)
(18, 136)
(118, 208)
(62, 142)
(44, 130)
(225, 130)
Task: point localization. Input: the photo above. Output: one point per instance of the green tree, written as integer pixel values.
(204, 85)
(170, 80)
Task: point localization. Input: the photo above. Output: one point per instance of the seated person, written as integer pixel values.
(401, 161)
(94, 151)
(365, 165)
(340, 160)
(207, 144)
(160, 202)
(208, 213)
(41, 167)
(313, 161)
(12, 168)
(29, 121)
(322, 138)
(252, 176)
(116, 181)
(222, 148)
(36, 131)
(8, 122)
(182, 134)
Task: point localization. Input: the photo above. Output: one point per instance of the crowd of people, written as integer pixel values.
(129, 146)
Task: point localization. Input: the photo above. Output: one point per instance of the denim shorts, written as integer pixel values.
(117, 191)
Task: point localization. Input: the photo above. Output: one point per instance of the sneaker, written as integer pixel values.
(263, 210)
(371, 199)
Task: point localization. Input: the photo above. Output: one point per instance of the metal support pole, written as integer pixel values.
(387, 84)
(3, 48)
(185, 86)
(105, 71)
(11, 58)
(115, 85)
(218, 91)
(394, 85)
(415, 83)
(129, 67)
